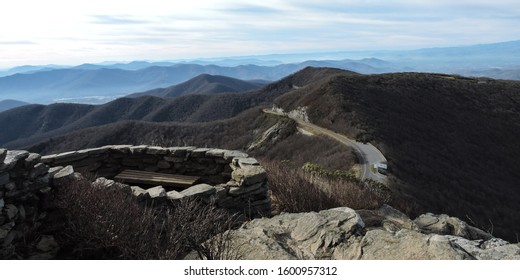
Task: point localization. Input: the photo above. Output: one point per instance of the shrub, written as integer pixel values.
(295, 191)
(103, 223)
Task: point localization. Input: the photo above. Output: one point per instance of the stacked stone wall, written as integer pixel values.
(229, 179)
(25, 199)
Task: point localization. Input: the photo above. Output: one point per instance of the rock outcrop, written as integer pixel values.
(385, 233)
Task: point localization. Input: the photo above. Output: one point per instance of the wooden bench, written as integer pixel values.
(154, 178)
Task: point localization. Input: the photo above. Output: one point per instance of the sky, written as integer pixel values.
(36, 32)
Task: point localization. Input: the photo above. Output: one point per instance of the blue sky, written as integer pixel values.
(74, 32)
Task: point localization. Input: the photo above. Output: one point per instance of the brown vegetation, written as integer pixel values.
(101, 223)
(294, 191)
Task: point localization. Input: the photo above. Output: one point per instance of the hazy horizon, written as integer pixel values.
(72, 33)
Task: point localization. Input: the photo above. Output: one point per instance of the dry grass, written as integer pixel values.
(110, 224)
(294, 191)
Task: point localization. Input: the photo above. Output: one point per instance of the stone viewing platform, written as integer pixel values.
(232, 179)
(229, 179)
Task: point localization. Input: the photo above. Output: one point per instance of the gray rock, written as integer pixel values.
(38, 170)
(249, 175)
(103, 182)
(236, 190)
(174, 195)
(245, 162)
(493, 249)
(140, 193)
(402, 245)
(220, 192)
(199, 152)
(138, 149)
(296, 236)
(68, 157)
(32, 159)
(199, 190)
(10, 186)
(11, 211)
(215, 153)
(138, 190)
(153, 150)
(2, 204)
(121, 148)
(388, 218)
(12, 236)
(341, 234)
(4, 178)
(446, 225)
(156, 192)
(5, 229)
(12, 158)
(229, 155)
(63, 176)
(163, 164)
(48, 158)
(3, 154)
(64, 172)
(97, 151)
(174, 159)
(47, 243)
(53, 170)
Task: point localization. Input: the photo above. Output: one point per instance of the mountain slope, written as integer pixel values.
(202, 84)
(452, 142)
(31, 124)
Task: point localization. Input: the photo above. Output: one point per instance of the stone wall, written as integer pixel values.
(232, 179)
(25, 197)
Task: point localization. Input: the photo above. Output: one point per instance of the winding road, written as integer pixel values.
(368, 154)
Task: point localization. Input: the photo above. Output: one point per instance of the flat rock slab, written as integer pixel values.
(174, 195)
(249, 175)
(230, 155)
(156, 192)
(245, 162)
(65, 172)
(199, 190)
(11, 158)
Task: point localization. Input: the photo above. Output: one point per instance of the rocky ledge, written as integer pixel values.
(382, 234)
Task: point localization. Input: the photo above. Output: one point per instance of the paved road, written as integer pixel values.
(368, 154)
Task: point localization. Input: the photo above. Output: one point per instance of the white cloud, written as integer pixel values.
(74, 31)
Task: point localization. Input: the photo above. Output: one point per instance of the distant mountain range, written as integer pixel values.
(67, 84)
(99, 83)
(204, 84)
(9, 104)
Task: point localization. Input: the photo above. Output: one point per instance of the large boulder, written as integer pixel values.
(404, 244)
(386, 217)
(446, 225)
(387, 234)
(296, 236)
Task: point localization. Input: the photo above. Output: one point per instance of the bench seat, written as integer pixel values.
(154, 178)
